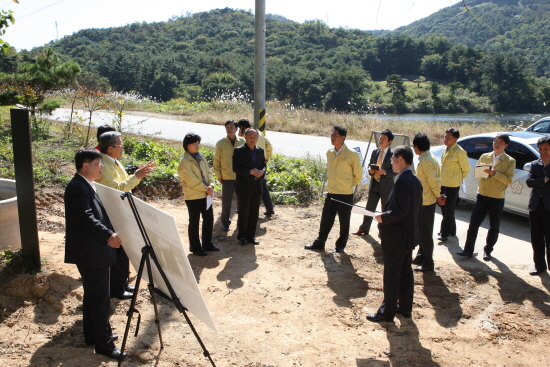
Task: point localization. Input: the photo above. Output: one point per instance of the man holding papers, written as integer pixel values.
(490, 196)
(382, 177)
(344, 173)
(398, 226)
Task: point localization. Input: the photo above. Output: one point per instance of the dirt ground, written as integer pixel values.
(276, 304)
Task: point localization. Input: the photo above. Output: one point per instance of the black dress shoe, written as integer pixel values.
(130, 288)
(338, 250)
(253, 241)
(465, 254)
(269, 213)
(442, 239)
(424, 268)
(406, 315)
(113, 353)
(417, 260)
(486, 256)
(225, 229)
(125, 295)
(536, 272)
(314, 247)
(212, 248)
(199, 253)
(377, 317)
(242, 241)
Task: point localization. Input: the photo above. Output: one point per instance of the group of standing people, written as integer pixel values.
(240, 165)
(408, 201)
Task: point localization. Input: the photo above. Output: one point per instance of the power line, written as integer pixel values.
(39, 10)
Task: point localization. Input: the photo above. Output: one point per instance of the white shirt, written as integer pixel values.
(495, 159)
(91, 183)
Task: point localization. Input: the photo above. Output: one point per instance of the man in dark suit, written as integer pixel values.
(249, 165)
(382, 179)
(398, 226)
(90, 243)
(539, 207)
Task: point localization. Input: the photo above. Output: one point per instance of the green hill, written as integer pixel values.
(521, 27)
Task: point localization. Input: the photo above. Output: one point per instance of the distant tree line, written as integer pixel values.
(210, 55)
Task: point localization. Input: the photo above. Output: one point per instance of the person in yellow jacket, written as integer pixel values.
(196, 181)
(490, 196)
(429, 174)
(268, 152)
(223, 169)
(344, 172)
(454, 169)
(115, 177)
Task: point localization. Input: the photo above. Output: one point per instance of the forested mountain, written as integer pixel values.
(521, 27)
(208, 54)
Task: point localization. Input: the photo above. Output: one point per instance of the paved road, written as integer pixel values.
(513, 247)
(292, 145)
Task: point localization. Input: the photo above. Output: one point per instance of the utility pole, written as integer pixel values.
(259, 67)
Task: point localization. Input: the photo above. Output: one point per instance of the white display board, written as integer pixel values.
(163, 234)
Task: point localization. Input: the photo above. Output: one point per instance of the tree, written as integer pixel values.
(36, 79)
(397, 88)
(93, 100)
(6, 17)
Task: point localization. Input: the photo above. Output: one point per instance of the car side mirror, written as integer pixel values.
(527, 166)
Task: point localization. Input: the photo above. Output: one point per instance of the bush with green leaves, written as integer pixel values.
(148, 150)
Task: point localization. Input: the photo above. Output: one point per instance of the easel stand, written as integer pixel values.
(148, 253)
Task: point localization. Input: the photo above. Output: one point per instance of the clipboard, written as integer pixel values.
(479, 170)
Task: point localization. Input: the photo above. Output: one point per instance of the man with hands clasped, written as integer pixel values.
(539, 207)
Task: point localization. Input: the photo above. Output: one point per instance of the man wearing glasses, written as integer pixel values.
(115, 177)
(539, 207)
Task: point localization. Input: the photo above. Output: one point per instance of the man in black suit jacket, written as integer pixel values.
(382, 180)
(398, 226)
(539, 207)
(249, 165)
(90, 243)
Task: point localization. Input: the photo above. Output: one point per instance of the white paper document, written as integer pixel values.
(358, 210)
(479, 171)
(209, 201)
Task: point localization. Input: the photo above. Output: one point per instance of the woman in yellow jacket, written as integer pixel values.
(196, 181)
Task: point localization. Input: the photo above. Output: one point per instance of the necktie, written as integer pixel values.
(379, 163)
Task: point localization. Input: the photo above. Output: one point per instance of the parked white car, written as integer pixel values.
(523, 148)
(541, 126)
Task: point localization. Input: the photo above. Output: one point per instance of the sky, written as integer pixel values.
(40, 21)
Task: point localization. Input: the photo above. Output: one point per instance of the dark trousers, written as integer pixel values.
(96, 306)
(268, 203)
(330, 209)
(375, 194)
(248, 206)
(120, 272)
(228, 188)
(448, 223)
(539, 220)
(398, 283)
(483, 205)
(426, 216)
(196, 208)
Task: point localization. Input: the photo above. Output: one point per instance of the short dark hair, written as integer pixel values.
(85, 156)
(422, 142)
(103, 129)
(190, 138)
(454, 132)
(543, 140)
(231, 122)
(107, 140)
(404, 152)
(388, 133)
(342, 131)
(244, 123)
(504, 137)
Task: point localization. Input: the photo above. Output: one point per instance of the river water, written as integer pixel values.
(502, 118)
